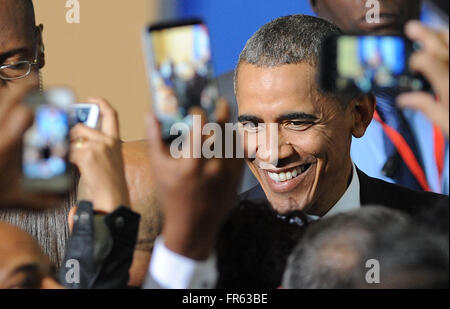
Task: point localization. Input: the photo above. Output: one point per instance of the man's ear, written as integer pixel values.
(40, 46)
(363, 108)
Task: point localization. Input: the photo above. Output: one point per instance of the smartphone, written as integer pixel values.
(369, 63)
(180, 71)
(45, 162)
(87, 114)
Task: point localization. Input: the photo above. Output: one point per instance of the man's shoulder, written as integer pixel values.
(374, 189)
(429, 208)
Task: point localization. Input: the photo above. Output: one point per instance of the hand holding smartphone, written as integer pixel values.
(46, 144)
(369, 63)
(180, 71)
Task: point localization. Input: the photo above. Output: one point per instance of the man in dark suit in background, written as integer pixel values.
(427, 142)
(307, 175)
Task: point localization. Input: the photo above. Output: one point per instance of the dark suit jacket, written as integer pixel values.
(255, 243)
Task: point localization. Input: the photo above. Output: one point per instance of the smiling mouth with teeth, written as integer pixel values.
(288, 175)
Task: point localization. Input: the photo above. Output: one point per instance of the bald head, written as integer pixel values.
(14, 241)
(20, 39)
(22, 262)
(17, 16)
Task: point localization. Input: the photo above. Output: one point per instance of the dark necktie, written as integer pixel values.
(395, 168)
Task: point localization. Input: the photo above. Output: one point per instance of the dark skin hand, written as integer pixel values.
(98, 156)
(15, 119)
(350, 15)
(196, 194)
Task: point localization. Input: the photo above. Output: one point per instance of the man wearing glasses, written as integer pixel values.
(21, 46)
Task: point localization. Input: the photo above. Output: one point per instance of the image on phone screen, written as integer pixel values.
(87, 114)
(369, 63)
(46, 144)
(181, 74)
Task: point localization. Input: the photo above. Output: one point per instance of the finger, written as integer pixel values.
(82, 131)
(13, 98)
(157, 148)
(196, 138)
(425, 103)
(14, 127)
(436, 72)
(444, 37)
(417, 100)
(79, 152)
(110, 118)
(70, 217)
(222, 111)
(431, 40)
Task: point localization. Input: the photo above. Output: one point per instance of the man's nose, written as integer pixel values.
(274, 148)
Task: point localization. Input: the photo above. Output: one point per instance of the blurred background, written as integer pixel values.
(102, 55)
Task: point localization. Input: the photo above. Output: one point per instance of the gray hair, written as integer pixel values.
(333, 252)
(288, 40)
(291, 39)
(50, 228)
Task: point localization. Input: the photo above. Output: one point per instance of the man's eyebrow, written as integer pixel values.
(17, 51)
(250, 118)
(32, 267)
(297, 116)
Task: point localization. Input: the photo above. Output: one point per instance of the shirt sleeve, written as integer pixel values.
(173, 271)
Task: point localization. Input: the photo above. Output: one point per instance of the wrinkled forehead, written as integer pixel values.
(16, 26)
(287, 83)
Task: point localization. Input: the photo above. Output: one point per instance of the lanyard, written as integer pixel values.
(408, 156)
(439, 150)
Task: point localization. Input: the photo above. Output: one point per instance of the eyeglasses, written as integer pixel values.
(17, 70)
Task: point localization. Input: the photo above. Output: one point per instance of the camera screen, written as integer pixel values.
(47, 144)
(183, 72)
(79, 115)
(82, 114)
(374, 62)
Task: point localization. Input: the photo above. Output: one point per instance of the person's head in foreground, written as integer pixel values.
(23, 265)
(373, 247)
(276, 84)
(354, 16)
(21, 47)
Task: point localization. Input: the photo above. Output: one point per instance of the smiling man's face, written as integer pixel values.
(313, 165)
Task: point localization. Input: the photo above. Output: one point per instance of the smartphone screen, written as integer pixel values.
(369, 63)
(181, 72)
(87, 114)
(46, 150)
